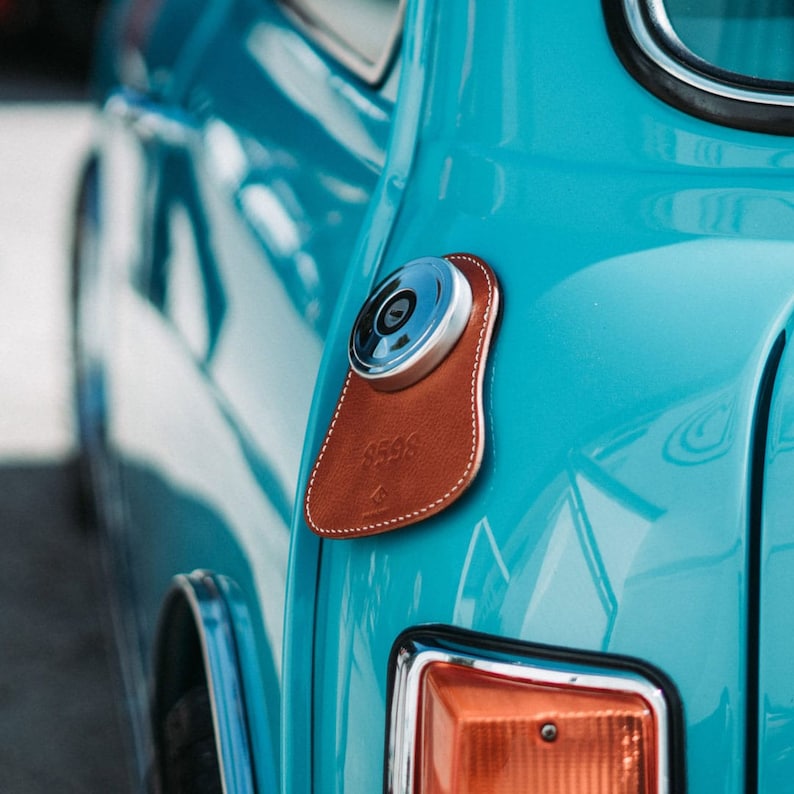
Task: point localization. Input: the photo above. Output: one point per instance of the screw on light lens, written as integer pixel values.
(548, 732)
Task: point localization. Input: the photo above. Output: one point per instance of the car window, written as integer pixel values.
(747, 37)
(362, 34)
(728, 61)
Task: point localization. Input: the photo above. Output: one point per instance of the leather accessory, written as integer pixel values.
(393, 458)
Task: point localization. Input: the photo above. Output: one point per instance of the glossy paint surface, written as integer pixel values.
(233, 194)
(646, 260)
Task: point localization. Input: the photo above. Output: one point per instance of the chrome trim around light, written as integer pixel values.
(370, 72)
(411, 661)
(213, 624)
(678, 68)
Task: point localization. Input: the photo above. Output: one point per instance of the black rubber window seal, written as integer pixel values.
(764, 116)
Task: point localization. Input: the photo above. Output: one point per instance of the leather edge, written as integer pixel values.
(488, 324)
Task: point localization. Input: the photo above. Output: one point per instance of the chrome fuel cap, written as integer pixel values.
(410, 323)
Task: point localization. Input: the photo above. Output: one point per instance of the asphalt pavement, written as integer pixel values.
(61, 713)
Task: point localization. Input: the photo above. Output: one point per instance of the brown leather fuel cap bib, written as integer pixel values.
(407, 435)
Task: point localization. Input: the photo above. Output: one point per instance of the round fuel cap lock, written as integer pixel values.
(396, 312)
(410, 323)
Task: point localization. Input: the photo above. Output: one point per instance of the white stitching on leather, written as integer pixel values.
(470, 463)
(322, 452)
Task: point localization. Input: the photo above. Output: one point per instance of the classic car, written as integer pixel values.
(435, 394)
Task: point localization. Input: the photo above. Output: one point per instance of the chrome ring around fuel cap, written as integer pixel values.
(410, 323)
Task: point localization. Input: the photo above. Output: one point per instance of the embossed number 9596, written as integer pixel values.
(389, 450)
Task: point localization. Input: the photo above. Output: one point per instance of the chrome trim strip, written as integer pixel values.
(411, 662)
(368, 71)
(224, 683)
(678, 69)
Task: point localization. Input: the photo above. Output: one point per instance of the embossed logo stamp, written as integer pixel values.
(378, 496)
(389, 450)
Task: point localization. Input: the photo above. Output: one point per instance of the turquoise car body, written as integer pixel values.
(635, 500)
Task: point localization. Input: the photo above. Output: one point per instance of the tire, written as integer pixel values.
(189, 759)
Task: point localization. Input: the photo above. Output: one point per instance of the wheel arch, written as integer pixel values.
(196, 643)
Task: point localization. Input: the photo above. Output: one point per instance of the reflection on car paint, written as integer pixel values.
(182, 256)
(647, 263)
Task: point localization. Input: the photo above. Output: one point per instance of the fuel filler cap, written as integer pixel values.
(407, 436)
(410, 323)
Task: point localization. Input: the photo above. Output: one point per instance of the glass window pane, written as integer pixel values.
(754, 38)
(365, 26)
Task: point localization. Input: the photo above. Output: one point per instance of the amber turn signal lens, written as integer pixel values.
(483, 734)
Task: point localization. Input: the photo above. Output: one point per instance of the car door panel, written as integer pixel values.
(259, 164)
(623, 511)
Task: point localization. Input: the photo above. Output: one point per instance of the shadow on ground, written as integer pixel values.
(59, 694)
(58, 713)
